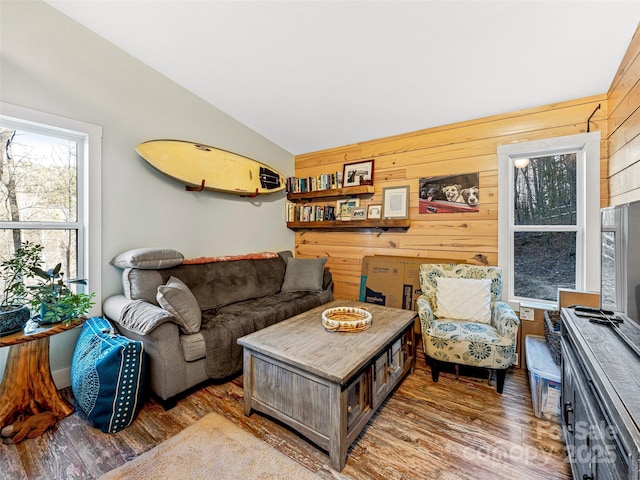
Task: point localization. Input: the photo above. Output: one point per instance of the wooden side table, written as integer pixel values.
(27, 386)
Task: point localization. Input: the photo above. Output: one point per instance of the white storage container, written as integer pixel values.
(544, 379)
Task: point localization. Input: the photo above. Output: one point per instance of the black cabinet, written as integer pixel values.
(600, 399)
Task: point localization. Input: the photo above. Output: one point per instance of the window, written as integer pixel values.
(46, 195)
(549, 217)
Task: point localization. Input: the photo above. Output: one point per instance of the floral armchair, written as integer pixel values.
(464, 322)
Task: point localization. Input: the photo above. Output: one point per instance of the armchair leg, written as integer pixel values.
(435, 369)
(500, 377)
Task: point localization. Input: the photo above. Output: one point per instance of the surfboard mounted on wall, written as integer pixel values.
(201, 167)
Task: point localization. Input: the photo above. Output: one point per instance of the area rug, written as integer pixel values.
(212, 448)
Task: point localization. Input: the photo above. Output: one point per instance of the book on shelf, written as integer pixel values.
(325, 181)
(309, 213)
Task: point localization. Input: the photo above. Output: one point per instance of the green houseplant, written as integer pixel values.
(14, 313)
(56, 301)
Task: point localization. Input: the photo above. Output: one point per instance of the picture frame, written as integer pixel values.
(374, 211)
(345, 206)
(359, 173)
(359, 213)
(395, 202)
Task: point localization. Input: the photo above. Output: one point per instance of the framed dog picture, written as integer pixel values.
(450, 193)
(395, 202)
(360, 173)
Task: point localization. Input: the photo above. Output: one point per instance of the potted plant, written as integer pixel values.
(56, 301)
(14, 312)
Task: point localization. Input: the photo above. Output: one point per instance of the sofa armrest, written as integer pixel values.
(167, 367)
(505, 320)
(425, 313)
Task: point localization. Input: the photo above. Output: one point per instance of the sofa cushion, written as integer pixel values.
(192, 346)
(304, 275)
(222, 327)
(223, 283)
(176, 298)
(148, 258)
(141, 284)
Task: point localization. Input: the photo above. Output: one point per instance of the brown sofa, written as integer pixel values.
(189, 314)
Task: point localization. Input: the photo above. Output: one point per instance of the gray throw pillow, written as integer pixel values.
(176, 298)
(304, 275)
(148, 258)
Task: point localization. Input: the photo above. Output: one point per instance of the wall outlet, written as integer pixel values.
(526, 313)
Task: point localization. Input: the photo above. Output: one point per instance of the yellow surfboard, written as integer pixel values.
(201, 167)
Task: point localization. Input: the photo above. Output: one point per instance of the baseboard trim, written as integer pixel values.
(62, 378)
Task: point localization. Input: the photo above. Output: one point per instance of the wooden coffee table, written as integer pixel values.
(327, 385)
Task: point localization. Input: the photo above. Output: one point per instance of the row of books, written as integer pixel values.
(326, 181)
(310, 213)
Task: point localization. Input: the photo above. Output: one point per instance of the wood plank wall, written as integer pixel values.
(464, 147)
(624, 128)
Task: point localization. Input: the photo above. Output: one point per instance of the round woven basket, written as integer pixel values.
(346, 319)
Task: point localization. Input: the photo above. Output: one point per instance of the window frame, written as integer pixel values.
(587, 228)
(88, 221)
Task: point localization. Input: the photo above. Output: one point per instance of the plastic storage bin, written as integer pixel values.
(544, 379)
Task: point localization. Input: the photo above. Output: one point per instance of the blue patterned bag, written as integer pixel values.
(107, 375)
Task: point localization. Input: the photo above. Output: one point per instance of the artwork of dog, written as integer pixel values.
(449, 193)
(453, 193)
(432, 193)
(471, 196)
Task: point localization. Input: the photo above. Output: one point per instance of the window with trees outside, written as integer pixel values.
(549, 216)
(43, 192)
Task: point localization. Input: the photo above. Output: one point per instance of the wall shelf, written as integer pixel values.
(383, 224)
(336, 192)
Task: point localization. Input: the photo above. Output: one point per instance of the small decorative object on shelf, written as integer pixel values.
(359, 213)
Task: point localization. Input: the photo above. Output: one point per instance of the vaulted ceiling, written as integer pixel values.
(310, 75)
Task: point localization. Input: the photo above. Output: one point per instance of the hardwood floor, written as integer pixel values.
(453, 429)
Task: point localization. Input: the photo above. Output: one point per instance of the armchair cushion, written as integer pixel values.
(464, 299)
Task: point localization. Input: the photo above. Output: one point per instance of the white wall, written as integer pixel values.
(52, 64)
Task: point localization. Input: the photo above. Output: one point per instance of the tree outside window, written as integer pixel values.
(39, 195)
(545, 225)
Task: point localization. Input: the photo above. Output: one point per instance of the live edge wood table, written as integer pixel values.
(327, 385)
(27, 386)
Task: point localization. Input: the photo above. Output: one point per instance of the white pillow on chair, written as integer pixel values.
(463, 299)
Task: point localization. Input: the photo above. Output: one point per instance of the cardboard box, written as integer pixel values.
(393, 281)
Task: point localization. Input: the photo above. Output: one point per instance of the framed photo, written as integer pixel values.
(360, 173)
(359, 213)
(395, 202)
(345, 206)
(374, 211)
